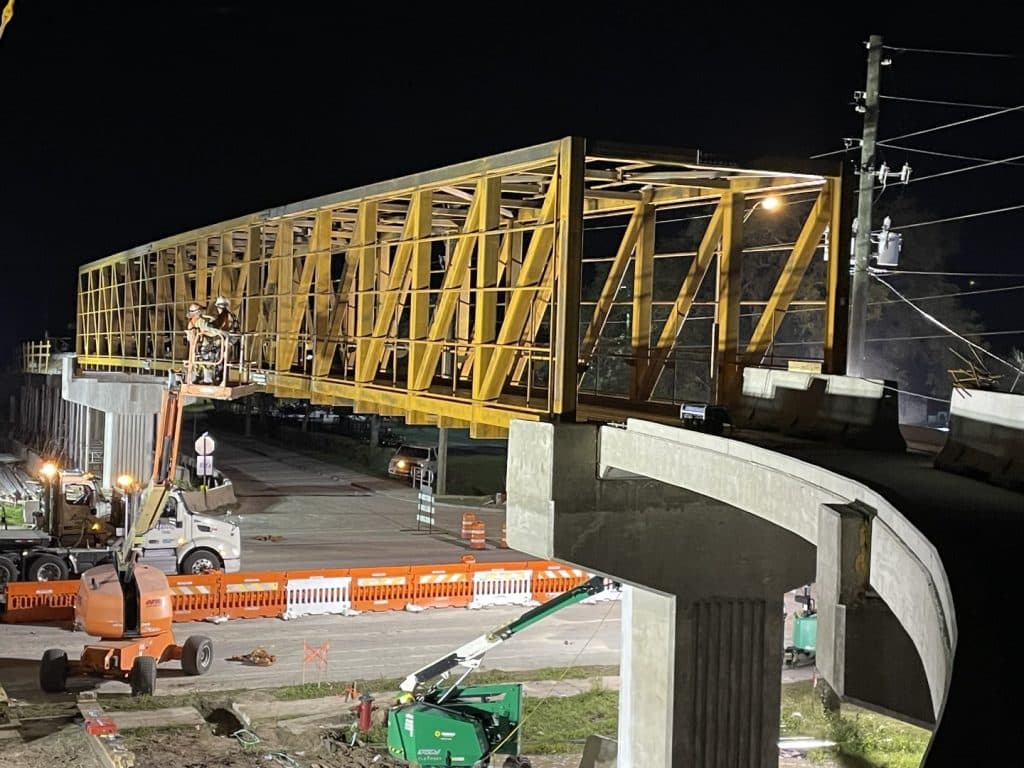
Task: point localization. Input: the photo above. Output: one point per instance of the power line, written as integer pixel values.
(958, 122)
(896, 273)
(947, 329)
(967, 168)
(1019, 332)
(954, 53)
(958, 218)
(942, 103)
(951, 295)
(887, 145)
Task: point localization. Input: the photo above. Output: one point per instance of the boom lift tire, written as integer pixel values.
(48, 568)
(517, 761)
(53, 671)
(143, 676)
(8, 570)
(197, 655)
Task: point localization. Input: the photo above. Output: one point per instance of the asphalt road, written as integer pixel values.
(324, 515)
(390, 644)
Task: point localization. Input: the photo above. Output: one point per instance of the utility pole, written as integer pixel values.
(862, 242)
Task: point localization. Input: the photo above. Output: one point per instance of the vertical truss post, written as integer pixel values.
(285, 343)
(321, 254)
(643, 287)
(419, 276)
(730, 273)
(568, 255)
(837, 281)
(485, 319)
(366, 274)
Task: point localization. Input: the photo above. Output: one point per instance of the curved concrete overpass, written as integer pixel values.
(881, 530)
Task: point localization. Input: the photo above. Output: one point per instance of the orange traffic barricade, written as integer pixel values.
(253, 594)
(40, 601)
(381, 589)
(441, 586)
(195, 597)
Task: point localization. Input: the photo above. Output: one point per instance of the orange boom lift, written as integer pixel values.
(126, 604)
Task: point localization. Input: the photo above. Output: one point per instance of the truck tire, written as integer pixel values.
(197, 655)
(53, 671)
(143, 676)
(47, 568)
(8, 571)
(200, 561)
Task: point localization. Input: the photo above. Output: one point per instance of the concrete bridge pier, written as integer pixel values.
(702, 639)
(126, 424)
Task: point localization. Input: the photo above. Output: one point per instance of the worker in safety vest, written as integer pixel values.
(225, 319)
(208, 344)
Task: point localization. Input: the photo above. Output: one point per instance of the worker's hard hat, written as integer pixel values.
(194, 309)
(221, 301)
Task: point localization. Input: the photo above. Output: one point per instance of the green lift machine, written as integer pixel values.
(437, 725)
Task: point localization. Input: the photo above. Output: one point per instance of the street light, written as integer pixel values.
(769, 203)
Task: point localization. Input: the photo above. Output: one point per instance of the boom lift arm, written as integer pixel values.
(471, 654)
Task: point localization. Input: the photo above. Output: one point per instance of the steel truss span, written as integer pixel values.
(522, 285)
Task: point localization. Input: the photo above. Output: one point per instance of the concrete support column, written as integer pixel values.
(863, 652)
(645, 700)
(128, 446)
(702, 651)
(441, 487)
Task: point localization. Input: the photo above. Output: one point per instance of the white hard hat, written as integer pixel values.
(221, 301)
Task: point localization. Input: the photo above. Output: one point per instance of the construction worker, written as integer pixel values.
(225, 319)
(208, 344)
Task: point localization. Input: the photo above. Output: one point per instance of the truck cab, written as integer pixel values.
(186, 540)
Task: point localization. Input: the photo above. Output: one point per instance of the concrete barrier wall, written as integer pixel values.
(986, 437)
(905, 567)
(851, 410)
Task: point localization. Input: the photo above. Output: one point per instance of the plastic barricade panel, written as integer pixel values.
(251, 595)
(195, 597)
(441, 586)
(381, 589)
(317, 593)
(40, 601)
(551, 579)
(496, 585)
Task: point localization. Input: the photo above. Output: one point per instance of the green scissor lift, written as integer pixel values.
(466, 725)
(805, 632)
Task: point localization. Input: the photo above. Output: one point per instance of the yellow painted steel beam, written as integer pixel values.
(565, 337)
(643, 290)
(835, 317)
(530, 273)
(366, 275)
(614, 280)
(486, 299)
(683, 303)
(419, 282)
(730, 272)
(284, 342)
(792, 275)
(451, 287)
(388, 299)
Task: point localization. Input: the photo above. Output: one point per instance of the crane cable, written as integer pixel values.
(6, 16)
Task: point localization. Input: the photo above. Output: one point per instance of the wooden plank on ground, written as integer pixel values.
(169, 717)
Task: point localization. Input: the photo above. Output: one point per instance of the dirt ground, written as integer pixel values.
(202, 747)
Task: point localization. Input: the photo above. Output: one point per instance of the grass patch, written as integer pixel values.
(484, 677)
(863, 738)
(557, 725)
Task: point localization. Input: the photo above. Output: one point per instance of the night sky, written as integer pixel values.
(124, 122)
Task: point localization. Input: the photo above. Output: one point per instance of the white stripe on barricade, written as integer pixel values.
(317, 596)
(500, 587)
